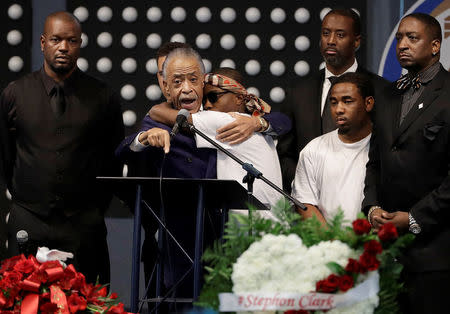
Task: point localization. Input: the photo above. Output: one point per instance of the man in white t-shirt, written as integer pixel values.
(225, 95)
(331, 168)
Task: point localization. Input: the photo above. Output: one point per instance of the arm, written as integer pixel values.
(163, 113)
(7, 135)
(377, 216)
(208, 122)
(305, 187)
(243, 127)
(125, 150)
(311, 211)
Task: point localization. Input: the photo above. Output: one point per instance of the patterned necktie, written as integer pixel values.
(406, 81)
(57, 101)
(328, 124)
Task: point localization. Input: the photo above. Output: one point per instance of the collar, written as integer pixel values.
(49, 83)
(352, 68)
(429, 73)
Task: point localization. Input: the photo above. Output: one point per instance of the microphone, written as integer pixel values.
(22, 242)
(182, 116)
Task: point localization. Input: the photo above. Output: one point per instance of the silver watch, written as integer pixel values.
(414, 227)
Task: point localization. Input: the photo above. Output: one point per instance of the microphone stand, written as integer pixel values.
(252, 172)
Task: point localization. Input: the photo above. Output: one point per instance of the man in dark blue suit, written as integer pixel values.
(407, 181)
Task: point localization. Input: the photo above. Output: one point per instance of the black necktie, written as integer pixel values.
(57, 101)
(328, 123)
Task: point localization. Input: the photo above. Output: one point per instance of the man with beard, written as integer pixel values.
(59, 131)
(331, 168)
(407, 180)
(307, 101)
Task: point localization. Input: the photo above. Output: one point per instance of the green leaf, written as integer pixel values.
(336, 268)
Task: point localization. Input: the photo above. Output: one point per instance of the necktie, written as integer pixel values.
(328, 123)
(406, 81)
(57, 101)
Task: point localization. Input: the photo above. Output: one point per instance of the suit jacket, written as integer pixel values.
(408, 169)
(303, 106)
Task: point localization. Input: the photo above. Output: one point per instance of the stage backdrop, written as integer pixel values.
(272, 45)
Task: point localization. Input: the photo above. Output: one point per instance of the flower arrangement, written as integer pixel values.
(28, 286)
(279, 265)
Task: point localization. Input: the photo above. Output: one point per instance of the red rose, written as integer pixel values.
(116, 309)
(78, 282)
(12, 278)
(25, 266)
(373, 247)
(76, 303)
(353, 266)
(361, 226)
(345, 282)
(8, 264)
(387, 232)
(328, 285)
(368, 262)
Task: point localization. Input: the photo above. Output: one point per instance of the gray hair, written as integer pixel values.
(182, 52)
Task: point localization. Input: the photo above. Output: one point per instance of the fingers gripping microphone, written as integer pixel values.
(182, 116)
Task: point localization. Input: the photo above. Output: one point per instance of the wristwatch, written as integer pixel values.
(414, 227)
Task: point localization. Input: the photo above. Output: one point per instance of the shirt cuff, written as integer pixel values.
(270, 131)
(137, 146)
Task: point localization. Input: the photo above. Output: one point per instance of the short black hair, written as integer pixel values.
(432, 25)
(166, 48)
(360, 80)
(231, 73)
(351, 14)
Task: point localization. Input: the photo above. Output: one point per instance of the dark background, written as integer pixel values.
(379, 18)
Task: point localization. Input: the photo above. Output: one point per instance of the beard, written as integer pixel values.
(335, 61)
(62, 68)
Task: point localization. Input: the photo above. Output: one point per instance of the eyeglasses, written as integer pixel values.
(213, 97)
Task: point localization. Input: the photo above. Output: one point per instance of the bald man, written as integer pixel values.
(59, 128)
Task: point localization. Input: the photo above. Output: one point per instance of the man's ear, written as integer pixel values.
(435, 46)
(357, 42)
(42, 42)
(166, 88)
(370, 102)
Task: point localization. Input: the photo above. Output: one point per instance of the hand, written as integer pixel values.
(239, 130)
(156, 137)
(376, 217)
(399, 219)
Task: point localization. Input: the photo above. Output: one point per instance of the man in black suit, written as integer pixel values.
(307, 103)
(59, 128)
(407, 181)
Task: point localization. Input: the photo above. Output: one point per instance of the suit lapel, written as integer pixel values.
(427, 97)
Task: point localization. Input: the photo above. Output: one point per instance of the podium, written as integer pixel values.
(206, 193)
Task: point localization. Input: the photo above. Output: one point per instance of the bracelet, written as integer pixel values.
(369, 214)
(263, 123)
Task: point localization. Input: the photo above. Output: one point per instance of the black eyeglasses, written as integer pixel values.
(214, 96)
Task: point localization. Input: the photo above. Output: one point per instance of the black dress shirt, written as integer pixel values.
(411, 95)
(50, 162)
